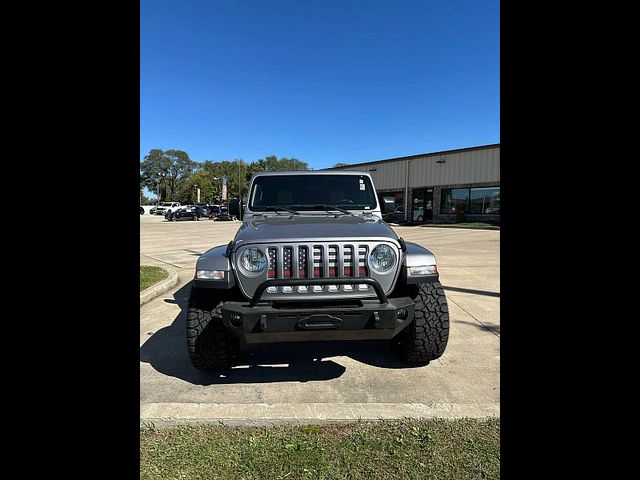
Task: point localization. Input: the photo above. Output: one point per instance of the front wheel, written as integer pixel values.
(211, 346)
(426, 337)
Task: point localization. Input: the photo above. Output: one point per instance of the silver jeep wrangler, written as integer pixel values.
(313, 260)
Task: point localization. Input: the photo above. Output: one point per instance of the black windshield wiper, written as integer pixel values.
(277, 209)
(328, 208)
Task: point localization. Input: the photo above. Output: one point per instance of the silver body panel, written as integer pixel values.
(417, 256)
(214, 259)
(316, 227)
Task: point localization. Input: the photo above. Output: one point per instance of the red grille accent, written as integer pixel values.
(318, 271)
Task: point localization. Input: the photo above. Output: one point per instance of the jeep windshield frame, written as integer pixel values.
(307, 192)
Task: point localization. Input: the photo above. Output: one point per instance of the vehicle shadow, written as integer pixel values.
(491, 327)
(166, 351)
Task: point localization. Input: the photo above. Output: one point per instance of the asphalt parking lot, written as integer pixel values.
(316, 382)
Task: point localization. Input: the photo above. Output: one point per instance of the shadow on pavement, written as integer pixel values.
(491, 327)
(472, 291)
(166, 351)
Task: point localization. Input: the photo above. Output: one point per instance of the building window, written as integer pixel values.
(485, 200)
(398, 213)
(454, 200)
(478, 201)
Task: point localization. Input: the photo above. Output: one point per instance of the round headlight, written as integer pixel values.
(382, 258)
(253, 260)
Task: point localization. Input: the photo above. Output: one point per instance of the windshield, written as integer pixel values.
(311, 192)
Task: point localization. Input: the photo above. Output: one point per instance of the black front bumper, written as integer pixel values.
(257, 322)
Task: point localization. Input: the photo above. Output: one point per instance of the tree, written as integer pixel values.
(275, 164)
(236, 172)
(187, 192)
(153, 170)
(181, 167)
(340, 164)
(165, 170)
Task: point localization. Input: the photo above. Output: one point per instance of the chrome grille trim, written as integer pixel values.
(325, 261)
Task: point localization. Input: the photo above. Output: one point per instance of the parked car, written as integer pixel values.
(167, 207)
(223, 214)
(207, 210)
(141, 210)
(184, 213)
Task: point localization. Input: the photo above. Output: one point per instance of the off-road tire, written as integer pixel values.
(211, 346)
(426, 337)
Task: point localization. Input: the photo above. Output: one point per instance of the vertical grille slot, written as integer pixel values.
(287, 253)
(363, 269)
(348, 260)
(318, 264)
(333, 261)
(272, 257)
(303, 262)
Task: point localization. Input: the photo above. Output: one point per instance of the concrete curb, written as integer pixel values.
(448, 225)
(173, 414)
(159, 288)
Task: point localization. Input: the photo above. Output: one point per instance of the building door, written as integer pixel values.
(428, 205)
(422, 205)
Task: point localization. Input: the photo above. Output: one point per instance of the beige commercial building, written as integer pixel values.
(439, 187)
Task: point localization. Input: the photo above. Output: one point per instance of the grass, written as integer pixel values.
(394, 449)
(151, 275)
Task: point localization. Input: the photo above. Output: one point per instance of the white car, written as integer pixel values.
(167, 207)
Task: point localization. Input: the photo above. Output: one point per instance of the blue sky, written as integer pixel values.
(323, 81)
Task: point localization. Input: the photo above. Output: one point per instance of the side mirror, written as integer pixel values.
(235, 208)
(388, 204)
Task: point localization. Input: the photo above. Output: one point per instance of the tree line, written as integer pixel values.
(175, 177)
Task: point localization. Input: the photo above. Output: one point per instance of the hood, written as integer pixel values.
(294, 228)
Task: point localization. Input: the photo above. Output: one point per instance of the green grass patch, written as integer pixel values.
(151, 275)
(394, 449)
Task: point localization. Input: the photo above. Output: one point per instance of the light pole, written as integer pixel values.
(197, 189)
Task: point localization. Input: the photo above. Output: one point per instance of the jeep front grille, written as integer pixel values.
(318, 260)
(329, 261)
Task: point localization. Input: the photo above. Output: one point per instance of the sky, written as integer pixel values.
(324, 81)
